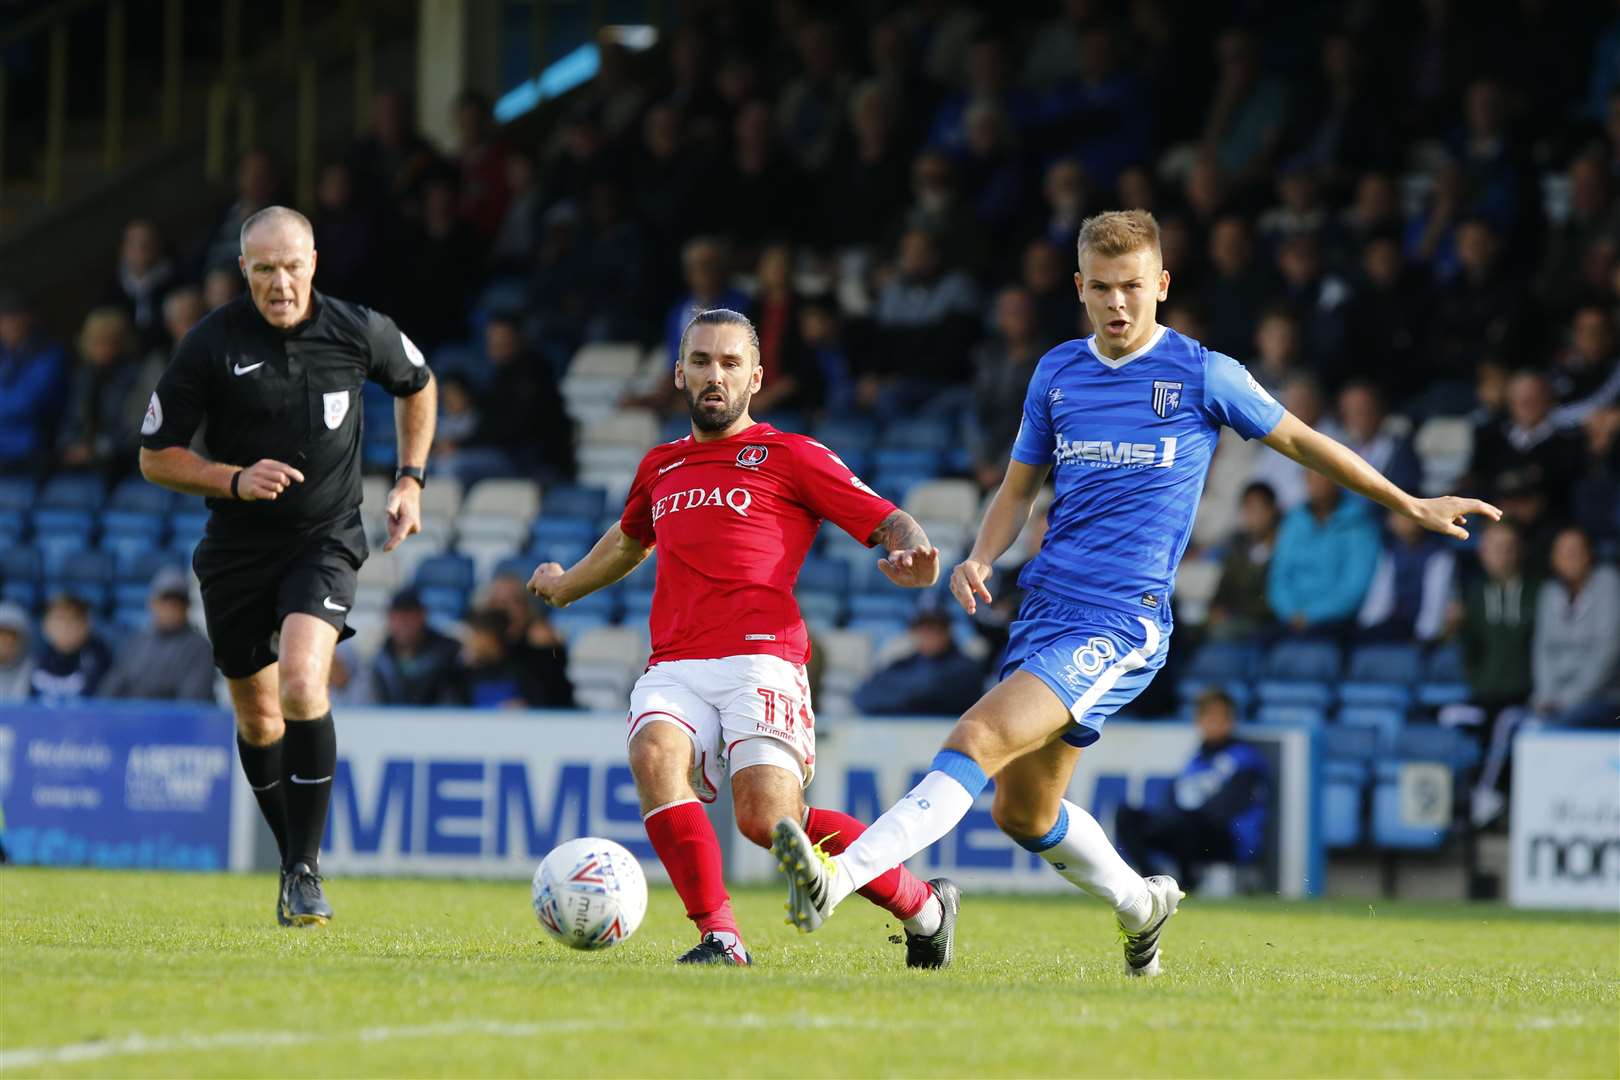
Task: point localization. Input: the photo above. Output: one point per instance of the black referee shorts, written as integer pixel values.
(250, 583)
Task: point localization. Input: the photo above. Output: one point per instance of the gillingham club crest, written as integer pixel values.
(753, 455)
(1166, 397)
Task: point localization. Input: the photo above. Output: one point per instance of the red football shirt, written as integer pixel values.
(733, 520)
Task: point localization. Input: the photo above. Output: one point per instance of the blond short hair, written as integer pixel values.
(1119, 232)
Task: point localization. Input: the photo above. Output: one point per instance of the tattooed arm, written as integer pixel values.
(912, 561)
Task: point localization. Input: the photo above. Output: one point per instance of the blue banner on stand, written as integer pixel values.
(117, 785)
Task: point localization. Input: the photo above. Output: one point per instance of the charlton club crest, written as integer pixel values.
(752, 456)
(1166, 397)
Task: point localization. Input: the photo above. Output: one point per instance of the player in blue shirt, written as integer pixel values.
(1128, 418)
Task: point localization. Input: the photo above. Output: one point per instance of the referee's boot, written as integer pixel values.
(306, 903)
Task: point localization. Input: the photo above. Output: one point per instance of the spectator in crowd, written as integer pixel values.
(1374, 212)
(763, 187)
(873, 177)
(1387, 315)
(416, 665)
(457, 428)
(523, 427)
(938, 208)
(1597, 492)
(1239, 609)
(101, 428)
(72, 660)
(1366, 427)
(1586, 374)
(495, 678)
(33, 387)
(1528, 438)
(142, 279)
(480, 159)
(788, 383)
(1593, 219)
(1411, 587)
(810, 112)
(1221, 806)
(935, 679)
(1097, 115)
(1321, 297)
(255, 189)
(354, 240)
(1051, 289)
(348, 683)
(1003, 365)
(1248, 112)
(393, 160)
(992, 171)
(673, 184)
(704, 266)
(170, 660)
(443, 272)
(16, 654)
(533, 642)
(1348, 129)
(1494, 617)
(1476, 312)
(183, 309)
(1326, 552)
(1576, 650)
(1067, 192)
(220, 286)
(518, 237)
(923, 315)
(1303, 397)
(1236, 288)
(1276, 347)
(1299, 210)
(826, 355)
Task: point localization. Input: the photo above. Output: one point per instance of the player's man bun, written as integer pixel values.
(1119, 232)
(720, 317)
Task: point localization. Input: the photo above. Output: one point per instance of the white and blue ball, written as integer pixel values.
(589, 893)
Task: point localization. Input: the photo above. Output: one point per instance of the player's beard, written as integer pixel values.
(705, 418)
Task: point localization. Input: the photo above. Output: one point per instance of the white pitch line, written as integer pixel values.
(135, 1045)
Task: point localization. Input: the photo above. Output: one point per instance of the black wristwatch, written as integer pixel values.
(419, 475)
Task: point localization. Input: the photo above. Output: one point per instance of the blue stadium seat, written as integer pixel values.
(891, 461)
(785, 420)
(636, 607)
(463, 359)
(27, 595)
(1444, 680)
(130, 594)
(13, 527)
(844, 436)
(443, 601)
(1224, 660)
(571, 501)
(673, 428)
(821, 573)
(1301, 660)
(889, 604)
(16, 493)
(64, 521)
(821, 608)
(56, 548)
(1376, 695)
(20, 564)
(549, 532)
(140, 567)
(926, 434)
(1385, 664)
(518, 566)
(1344, 784)
(880, 630)
(130, 617)
(566, 554)
(138, 494)
(147, 524)
(1294, 715)
(1386, 722)
(1316, 695)
(603, 602)
(644, 577)
(447, 571)
(73, 491)
(571, 623)
(1416, 743)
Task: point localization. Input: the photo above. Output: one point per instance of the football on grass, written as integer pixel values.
(589, 893)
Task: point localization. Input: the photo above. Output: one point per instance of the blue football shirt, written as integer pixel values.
(1130, 441)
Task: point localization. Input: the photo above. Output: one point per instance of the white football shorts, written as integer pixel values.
(737, 710)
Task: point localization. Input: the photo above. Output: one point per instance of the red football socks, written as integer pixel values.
(690, 851)
(898, 891)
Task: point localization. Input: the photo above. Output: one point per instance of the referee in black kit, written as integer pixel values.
(277, 376)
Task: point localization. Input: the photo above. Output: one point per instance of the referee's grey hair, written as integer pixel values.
(719, 317)
(272, 215)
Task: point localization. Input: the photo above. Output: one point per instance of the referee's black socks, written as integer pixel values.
(262, 766)
(308, 758)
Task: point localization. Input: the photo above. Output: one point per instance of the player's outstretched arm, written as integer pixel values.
(912, 562)
(614, 556)
(1294, 438)
(1008, 514)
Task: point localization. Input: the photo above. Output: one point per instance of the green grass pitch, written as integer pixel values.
(136, 974)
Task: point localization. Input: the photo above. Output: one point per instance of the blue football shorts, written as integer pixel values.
(1096, 661)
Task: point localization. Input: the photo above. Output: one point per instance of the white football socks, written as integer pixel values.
(1084, 857)
(926, 813)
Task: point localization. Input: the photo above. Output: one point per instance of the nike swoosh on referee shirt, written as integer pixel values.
(295, 778)
(326, 602)
(240, 370)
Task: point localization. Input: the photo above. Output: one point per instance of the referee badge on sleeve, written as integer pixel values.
(337, 407)
(154, 416)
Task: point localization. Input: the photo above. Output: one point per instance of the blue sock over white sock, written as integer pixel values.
(1079, 851)
(926, 813)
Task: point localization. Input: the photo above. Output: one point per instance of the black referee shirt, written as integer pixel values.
(290, 395)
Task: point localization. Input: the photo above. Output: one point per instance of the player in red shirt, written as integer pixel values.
(733, 508)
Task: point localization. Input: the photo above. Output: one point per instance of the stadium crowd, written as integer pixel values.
(1406, 222)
